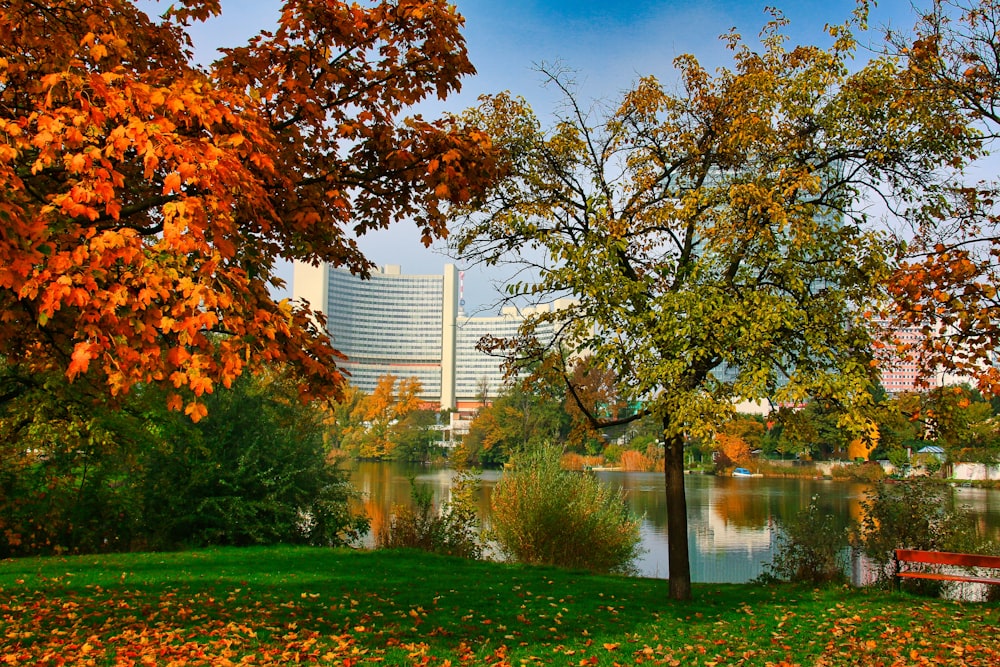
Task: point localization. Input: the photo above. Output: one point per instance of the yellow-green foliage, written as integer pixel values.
(545, 515)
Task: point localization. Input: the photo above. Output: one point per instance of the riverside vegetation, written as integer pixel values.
(282, 605)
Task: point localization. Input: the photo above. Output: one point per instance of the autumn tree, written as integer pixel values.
(337, 421)
(892, 429)
(815, 430)
(146, 199)
(380, 421)
(736, 439)
(731, 450)
(947, 286)
(713, 238)
(956, 418)
(526, 414)
(594, 386)
(419, 436)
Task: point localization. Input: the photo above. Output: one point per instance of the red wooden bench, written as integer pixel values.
(906, 558)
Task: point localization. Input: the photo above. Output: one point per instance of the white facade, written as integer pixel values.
(391, 324)
(409, 326)
(476, 370)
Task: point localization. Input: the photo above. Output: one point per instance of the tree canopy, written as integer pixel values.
(146, 199)
(714, 239)
(947, 286)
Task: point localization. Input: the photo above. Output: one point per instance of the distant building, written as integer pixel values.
(411, 326)
(480, 375)
(933, 451)
(900, 374)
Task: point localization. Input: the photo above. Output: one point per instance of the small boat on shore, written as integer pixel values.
(743, 472)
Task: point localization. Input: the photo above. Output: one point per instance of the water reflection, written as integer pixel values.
(732, 522)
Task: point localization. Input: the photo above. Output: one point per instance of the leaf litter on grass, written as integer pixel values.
(457, 613)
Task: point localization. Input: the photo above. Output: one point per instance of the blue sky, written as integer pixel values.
(608, 44)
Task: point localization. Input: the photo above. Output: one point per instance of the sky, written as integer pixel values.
(609, 45)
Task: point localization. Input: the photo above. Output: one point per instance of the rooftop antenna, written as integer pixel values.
(461, 292)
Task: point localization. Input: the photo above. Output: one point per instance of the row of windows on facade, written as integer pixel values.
(347, 291)
(376, 341)
(395, 307)
(429, 303)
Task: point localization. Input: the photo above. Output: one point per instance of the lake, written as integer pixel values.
(732, 522)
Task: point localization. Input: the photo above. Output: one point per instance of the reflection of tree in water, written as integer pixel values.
(378, 518)
(644, 493)
(384, 485)
(756, 503)
(740, 503)
(985, 507)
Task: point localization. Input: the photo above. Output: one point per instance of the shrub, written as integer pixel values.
(78, 475)
(914, 514)
(254, 471)
(812, 548)
(613, 453)
(633, 461)
(574, 461)
(868, 471)
(543, 514)
(454, 530)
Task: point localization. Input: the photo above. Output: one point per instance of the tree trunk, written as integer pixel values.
(679, 561)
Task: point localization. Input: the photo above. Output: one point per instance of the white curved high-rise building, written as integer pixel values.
(480, 375)
(390, 324)
(411, 326)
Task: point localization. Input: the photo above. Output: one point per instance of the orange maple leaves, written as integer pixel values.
(147, 200)
(951, 298)
(947, 287)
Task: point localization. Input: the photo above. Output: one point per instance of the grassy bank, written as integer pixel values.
(282, 605)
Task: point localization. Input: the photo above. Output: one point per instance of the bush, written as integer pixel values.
(254, 471)
(914, 514)
(574, 461)
(634, 461)
(79, 475)
(812, 548)
(453, 531)
(868, 471)
(543, 514)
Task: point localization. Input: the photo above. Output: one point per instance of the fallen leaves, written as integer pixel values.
(476, 614)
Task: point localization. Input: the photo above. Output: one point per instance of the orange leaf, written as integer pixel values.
(175, 402)
(172, 183)
(196, 411)
(80, 361)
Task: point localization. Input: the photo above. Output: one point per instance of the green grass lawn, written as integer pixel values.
(277, 606)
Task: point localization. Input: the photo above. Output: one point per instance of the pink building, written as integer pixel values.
(900, 370)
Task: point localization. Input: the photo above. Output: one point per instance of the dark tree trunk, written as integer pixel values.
(677, 534)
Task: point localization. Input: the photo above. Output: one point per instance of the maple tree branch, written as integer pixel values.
(956, 245)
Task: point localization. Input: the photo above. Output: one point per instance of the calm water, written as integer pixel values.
(731, 522)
